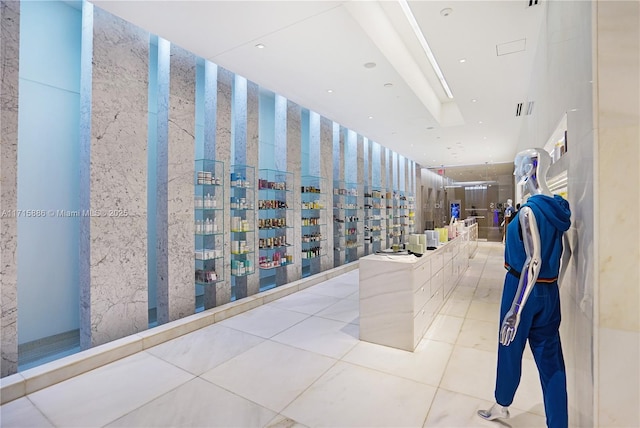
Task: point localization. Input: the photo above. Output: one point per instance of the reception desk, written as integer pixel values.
(401, 295)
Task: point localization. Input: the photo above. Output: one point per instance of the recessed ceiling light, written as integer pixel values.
(484, 138)
(480, 122)
(330, 91)
(446, 11)
(369, 64)
(388, 85)
(463, 60)
(260, 46)
(474, 100)
(574, 109)
(370, 117)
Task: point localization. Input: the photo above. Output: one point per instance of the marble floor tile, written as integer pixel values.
(451, 409)
(21, 413)
(455, 307)
(271, 374)
(479, 335)
(197, 403)
(488, 294)
(206, 348)
(105, 394)
(426, 364)
(265, 321)
(281, 421)
(345, 310)
(472, 372)
(321, 335)
(484, 311)
(340, 287)
(305, 302)
(444, 328)
(353, 396)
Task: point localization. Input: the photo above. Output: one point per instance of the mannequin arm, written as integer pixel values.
(528, 277)
(566, 256)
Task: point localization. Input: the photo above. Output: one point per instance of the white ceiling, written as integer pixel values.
(313, 46)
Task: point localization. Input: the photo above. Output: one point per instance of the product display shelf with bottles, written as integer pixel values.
(393, 217)
(347, 226)
(209, 222)
(314, 223)
(242, 214)
(407, 214)
(374, 219)
(275, 221)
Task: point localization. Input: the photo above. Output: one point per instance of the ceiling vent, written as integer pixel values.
(533, 3)
(529, 108)
(527, 112)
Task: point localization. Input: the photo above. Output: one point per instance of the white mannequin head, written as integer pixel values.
(531, 168)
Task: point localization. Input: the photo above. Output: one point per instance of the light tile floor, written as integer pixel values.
(297, 362)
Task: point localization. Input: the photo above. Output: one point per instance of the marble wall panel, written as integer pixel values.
(117, 290)
(360, 180)
(294, 166)
(9, 65)
(252, 154)
(222, 152)
(618, 156)
(326, 172)
(180, 197)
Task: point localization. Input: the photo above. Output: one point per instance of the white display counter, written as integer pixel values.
(401, 295)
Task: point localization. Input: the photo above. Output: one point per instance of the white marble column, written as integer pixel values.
(360, 179)
(209, 152)
(326, 172)
(222, 149)
(617, 151)
(252, 158)
(9, 64)
(114, 290)
(294, 166)
(180, 292)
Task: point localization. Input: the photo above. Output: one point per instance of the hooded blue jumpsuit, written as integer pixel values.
(540, 317)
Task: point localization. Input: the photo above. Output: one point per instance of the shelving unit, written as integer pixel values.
(406, 213)
(393, 218)
(374, 220)
(314, 223)
(274, 224)
(347, 226)
(209, 223)
(242, 213)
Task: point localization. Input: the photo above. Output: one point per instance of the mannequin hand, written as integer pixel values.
(509, 327)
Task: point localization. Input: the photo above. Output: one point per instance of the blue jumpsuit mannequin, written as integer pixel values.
(533, 255)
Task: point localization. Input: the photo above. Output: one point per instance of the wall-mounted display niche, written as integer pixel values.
(242, 216)
(275, 224)
(393, 218)
(374, 220)
(406, 214)
(209, 223)
(314, 223)
(347, 226)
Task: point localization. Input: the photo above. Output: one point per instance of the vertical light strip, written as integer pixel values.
(84, 245)
(425, 46)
